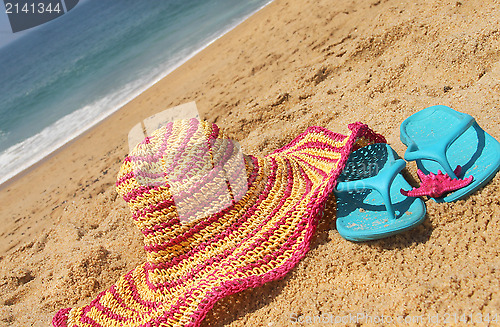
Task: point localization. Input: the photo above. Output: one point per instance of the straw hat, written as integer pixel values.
(215, 221)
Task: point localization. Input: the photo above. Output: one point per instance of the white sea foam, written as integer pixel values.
(28, 152)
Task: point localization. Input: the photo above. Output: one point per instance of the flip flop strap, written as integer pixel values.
(381, 183)
(437, 150)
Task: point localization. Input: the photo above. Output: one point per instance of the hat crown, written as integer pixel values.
(192, 164)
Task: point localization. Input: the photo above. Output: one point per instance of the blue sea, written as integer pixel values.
(67, 75)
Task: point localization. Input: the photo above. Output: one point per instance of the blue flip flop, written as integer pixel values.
(440, 138)
(369, 202)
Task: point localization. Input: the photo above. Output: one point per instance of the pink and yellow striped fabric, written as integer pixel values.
(215, 221)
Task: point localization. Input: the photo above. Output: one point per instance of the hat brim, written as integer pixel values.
(257, 239)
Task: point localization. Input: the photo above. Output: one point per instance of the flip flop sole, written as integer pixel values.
(362, 215)
(475, 150)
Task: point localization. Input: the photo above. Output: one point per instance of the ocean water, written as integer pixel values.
(69, 74)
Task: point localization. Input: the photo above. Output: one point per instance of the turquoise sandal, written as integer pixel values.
(440, 138)
(369, 203)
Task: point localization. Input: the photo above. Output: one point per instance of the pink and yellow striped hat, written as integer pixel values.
(215, 221)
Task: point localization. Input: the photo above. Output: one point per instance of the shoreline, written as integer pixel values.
(67, 235)
(120, 107)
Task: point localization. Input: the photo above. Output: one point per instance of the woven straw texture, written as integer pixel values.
(215, 221)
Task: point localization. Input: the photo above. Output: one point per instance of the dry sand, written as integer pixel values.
(66, 236)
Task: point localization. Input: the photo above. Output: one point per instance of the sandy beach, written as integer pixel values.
(66, 235)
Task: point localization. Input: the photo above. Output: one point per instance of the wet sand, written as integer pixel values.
(66, 235)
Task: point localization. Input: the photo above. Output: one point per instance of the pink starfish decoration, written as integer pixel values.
(435, 185)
